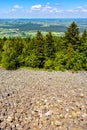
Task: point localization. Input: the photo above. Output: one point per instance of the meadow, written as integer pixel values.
(29, 27)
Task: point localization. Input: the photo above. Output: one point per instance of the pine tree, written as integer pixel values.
(39, 49)
(49, 46)
(9, 56)
(1, 46)
(72, 35)
(84, 35)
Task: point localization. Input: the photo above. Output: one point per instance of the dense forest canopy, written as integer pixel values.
(68, 52)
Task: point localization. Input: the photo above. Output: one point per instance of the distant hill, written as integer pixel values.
(22, 27)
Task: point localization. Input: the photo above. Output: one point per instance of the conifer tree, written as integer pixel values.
(72, 35)
(49, 46)
(39, 48)
(84, 35)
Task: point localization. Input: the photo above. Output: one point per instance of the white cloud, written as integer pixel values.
(84, 10)
(36, 7)
(17, 7)
(47, 8)
(70, 11)
(54, 10)
(79, 7)
(16, 11)
(50, 9)
(13, 10)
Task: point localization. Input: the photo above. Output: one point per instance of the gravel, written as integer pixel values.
(41, 100)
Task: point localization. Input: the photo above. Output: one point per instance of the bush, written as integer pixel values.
(9, 60)
(31, 61)
(49, 64)
(60, 61)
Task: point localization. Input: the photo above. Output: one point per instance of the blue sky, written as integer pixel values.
(43, 9)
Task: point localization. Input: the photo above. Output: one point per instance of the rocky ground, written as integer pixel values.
(39, 100)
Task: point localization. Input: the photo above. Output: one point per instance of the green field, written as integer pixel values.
(29, 27)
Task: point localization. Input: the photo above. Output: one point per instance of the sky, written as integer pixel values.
(43, 9)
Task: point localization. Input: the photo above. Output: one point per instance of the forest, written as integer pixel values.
(68, 52)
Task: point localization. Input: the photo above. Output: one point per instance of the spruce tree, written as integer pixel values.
(49, 46)
(39, 49)
(72, 35)
(84, 35)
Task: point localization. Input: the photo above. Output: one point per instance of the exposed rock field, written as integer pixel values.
(40, 100)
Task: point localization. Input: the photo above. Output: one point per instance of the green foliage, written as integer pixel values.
(39, 49)
(49, 64)
(9, 60)
(9, 56)
(46, 51)
(1, 49)
(31, 61)
(0, 56)
(60, 61)
(72, 35)
(84, 35)
(49, 46)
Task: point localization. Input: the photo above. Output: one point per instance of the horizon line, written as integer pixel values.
(46, 18)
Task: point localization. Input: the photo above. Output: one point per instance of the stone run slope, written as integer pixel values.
(39, 100)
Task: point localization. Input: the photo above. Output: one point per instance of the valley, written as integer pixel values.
(29, 27)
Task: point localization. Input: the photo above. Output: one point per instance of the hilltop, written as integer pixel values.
(41, 100)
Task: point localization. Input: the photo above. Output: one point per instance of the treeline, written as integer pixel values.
(49, 52)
